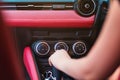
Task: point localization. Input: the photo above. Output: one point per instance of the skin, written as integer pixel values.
(104, 56)
(115, 75)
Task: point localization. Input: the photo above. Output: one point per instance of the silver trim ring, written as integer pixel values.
(39, 44)
(76, 44)
(89, 13)
(65, 45)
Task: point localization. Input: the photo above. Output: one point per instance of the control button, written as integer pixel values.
(79, 48)
(61, 45)
(42, 48)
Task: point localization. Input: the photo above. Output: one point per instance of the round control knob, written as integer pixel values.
(61, 45)
(86, 7)
(79, 48)
(42, 48)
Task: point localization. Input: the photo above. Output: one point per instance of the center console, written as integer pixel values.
(49, 25)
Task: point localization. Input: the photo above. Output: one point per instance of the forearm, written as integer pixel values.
(106, 53)
(104, 56)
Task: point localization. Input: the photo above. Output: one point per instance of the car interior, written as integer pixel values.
(32, 30)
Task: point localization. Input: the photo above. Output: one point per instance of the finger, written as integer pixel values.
(60, 51)
(49, 61)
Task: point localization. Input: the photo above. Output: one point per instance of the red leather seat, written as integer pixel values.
(10, 68)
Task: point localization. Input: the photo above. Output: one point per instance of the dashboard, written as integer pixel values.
(41, 27)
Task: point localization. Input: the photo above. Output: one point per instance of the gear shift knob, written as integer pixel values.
(56, 73)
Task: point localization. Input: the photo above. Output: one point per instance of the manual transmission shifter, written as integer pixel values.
(56, 73)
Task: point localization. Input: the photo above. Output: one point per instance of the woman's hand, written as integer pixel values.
(59, 58)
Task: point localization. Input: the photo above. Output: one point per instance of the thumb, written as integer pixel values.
(50, 63)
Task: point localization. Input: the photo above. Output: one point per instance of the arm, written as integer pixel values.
(103, 58)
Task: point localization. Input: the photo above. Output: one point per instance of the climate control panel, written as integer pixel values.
(46, 48)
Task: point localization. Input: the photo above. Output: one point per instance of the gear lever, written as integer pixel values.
(56, 73)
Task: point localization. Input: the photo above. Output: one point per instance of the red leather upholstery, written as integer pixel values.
(10, 68)
(30, 64)
(44, 19)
